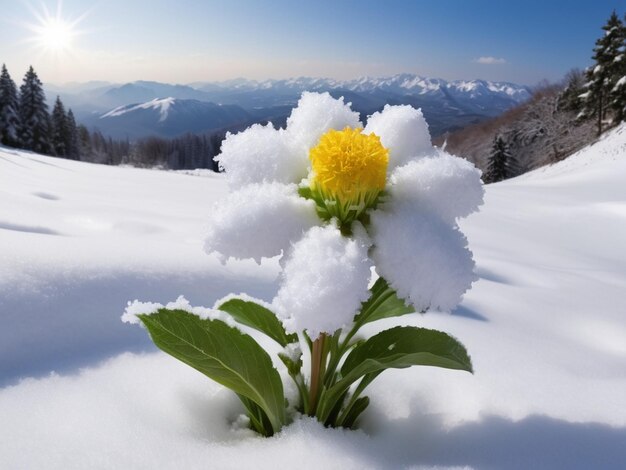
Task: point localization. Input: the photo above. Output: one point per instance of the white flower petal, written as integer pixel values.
(423, 258)
(258, 221)
(260, 154)
(316, 114)
(447, 186)
(403, 130)
(325, 280)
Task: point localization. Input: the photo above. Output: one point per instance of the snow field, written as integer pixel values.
(544, 325)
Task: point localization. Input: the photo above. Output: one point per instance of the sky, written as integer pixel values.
(186, 41)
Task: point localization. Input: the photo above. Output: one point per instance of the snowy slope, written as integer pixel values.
(545, 325)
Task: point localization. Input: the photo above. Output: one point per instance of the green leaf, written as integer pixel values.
(383, 303)
(258, 317)
(397, 348)
(355, 411)
(223, 354)
(405, 346)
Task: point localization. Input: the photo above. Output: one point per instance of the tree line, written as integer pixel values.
(26, 123)
(595, 97)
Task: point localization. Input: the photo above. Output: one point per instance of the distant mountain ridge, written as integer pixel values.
(169, 117)
(447, 105)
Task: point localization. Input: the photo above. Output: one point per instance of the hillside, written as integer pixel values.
(544, 324)
(538, 132)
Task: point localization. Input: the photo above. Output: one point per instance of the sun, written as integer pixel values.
(53, 33)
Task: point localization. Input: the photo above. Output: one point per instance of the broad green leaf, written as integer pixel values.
(397, 348)
(405, 346)
(223, 354)
(383, 303)
(258, 317)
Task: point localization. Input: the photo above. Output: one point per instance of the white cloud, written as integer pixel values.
(489, 60)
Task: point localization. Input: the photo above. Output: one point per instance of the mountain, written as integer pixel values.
(447, 105)
(168, 117)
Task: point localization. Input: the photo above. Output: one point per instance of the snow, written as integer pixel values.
(325, 281)
(259, 221)
(544, 325)
(423, 258)
(444, 185)
(403, 130)
(161, 104)
(260, 154)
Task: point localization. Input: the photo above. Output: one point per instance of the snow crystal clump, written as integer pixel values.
(324, 281)
(136, 308)
(403, 130)
(447, 186)
(259, 221)
(258, 154)
(423, 258)
(316, 114)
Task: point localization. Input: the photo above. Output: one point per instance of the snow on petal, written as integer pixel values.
(316, 114)
(403, 130)
(423, 258)
(445, 185)
(325, 280)
(259, 221)
(260, 154)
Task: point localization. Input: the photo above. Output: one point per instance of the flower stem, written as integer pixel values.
(317, 372)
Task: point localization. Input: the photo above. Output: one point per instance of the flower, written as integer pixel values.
(349, 169)
(333, 200)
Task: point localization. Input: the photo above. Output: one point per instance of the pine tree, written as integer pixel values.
(34, 130)
(59, 129)
(9, 104)
(617, 94)
(499, 166)
(73, 146)
(603, 76)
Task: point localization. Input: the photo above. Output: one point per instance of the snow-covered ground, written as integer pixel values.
(545, 325)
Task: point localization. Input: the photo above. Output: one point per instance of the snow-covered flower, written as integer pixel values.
(334, 199)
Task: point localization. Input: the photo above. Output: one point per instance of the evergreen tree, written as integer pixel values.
(9, 105)
(73, 146)
(602, 77)
(60, 134)
(499, 166)
(34, 130)
(617, 94)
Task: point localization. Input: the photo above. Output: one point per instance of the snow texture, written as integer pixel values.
(325, 280)
(316, 114)
(443, 185)
(403, 130)
(424, 259)
(544, 325)
(259, 221)
(136, 308)
(260, 154)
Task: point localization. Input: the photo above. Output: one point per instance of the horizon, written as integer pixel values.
(271, 79)
(117, 42)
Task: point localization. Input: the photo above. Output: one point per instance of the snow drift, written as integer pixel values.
(545, 326)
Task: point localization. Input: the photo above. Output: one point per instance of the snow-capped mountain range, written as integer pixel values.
(403, 84)
(144, 108)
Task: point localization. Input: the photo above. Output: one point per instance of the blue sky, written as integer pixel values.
(204, 40)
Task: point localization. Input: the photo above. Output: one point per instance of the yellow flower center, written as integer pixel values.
(349, 172)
